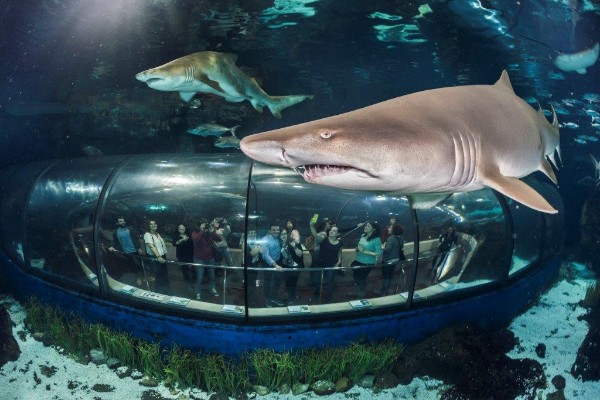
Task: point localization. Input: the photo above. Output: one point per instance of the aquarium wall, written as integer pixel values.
(102, 226)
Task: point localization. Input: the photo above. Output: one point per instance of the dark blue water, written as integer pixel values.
(68, 67)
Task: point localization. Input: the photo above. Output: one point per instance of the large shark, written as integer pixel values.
(578, 62)
(216, 73)
(427, 145)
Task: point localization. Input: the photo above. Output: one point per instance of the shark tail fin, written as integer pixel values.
(277, 103)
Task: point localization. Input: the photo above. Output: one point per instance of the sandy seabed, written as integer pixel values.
(552, 321)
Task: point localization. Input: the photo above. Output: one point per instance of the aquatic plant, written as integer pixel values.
(225, 375)
(67, 331)
(79, 338)
(371, 358)
(36, 317)
(183, 368)
(592, 295)
(271, 369)
(116, 344)
(213, 372)
(150, 361)
(329, 363)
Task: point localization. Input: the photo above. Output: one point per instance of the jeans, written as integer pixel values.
(159, 270)
(272, 283)
(200, 274)
(360, 277)
(387, 271)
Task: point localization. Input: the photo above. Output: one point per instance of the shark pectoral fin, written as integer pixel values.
(546, 168)
(257, 106)
(581, 71)
(517, 190)
(186, 96)
(423, 201)
(209, 82)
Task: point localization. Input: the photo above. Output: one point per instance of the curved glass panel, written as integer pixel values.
(60, 218)
(173, 190)
(15, 189)
(527, 234)
(477, 253)
(326, 278)
(553, 223)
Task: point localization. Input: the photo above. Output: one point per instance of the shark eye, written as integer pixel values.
(326, 133)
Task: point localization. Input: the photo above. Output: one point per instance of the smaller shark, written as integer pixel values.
(211, 129)
(214, 73)
(578, 62)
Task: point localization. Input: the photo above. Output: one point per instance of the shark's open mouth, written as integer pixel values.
(315, 171)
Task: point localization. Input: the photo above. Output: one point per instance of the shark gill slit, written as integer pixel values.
(472, 157)
(459, 161)
(464, 160)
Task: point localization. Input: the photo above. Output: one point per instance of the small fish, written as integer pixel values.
(228, 142)
(212, 129)
(91, 151)
(570, 125)
(591, 113)
(591, 97)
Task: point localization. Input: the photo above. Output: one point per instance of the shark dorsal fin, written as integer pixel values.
(230, 56)
(504, 81)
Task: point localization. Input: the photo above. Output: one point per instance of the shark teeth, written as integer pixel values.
(312, 172)
(300, 170)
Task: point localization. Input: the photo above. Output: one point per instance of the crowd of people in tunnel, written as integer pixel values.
(278, 257)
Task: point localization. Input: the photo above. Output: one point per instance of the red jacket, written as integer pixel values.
(204, 244)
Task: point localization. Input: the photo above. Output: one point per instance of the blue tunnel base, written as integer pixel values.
(489, 310)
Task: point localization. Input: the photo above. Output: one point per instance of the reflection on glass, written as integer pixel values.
(16, 186)
(452, 254)
(197, 266)
(527, 236)
(322, 282)
(172, 230)
(60, 217)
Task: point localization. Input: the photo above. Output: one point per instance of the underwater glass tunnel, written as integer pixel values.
(60, 237)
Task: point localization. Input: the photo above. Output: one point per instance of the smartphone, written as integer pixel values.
(314, 218)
